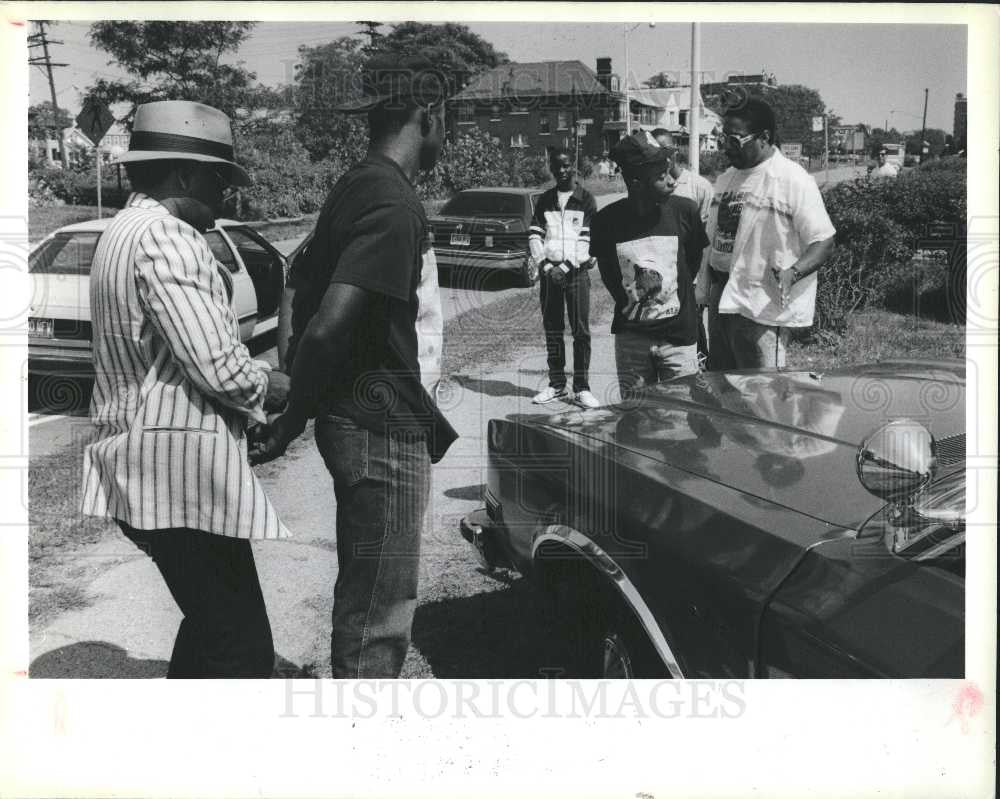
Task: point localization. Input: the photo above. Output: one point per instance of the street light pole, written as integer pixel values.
(628, 103)
(923, 128)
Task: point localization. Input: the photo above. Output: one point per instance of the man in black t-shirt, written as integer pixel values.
(365, 355)
(648, 249)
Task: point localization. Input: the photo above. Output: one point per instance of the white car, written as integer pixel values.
(59, 331)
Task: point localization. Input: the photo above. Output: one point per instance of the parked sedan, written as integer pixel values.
(59, 330)
(745, 524)
(487, 228)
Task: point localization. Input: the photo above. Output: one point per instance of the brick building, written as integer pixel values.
(531, 106)
(959, 123)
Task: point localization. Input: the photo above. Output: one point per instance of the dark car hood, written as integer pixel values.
(786, 437)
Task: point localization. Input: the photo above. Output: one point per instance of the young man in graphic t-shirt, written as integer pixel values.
(648, 247)
(364, 354)
(559, 240)
(770, 234)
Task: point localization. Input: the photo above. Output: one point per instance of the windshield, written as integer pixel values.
(65, 254)
(481, 203)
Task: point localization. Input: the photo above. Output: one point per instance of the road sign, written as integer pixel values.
(95, 120)
(817, 124)
(792, 149)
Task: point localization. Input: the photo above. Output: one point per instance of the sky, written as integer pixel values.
(866, 73)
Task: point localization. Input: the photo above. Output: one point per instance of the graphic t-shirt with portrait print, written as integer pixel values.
(648, 266)
(732, 192)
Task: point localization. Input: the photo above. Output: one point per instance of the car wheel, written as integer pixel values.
(528, 273)
(625, 650)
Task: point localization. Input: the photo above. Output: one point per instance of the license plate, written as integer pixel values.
(40, 328)
(461, 239)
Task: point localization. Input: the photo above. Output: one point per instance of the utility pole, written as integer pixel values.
(694, 135)
(923, 128)
(34, 40)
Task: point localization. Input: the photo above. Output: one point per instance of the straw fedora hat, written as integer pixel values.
(180, 129)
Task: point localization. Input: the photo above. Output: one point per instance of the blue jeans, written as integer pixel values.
(382, 485)
(643, 360)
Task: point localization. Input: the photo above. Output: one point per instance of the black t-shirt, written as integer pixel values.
(373, 233)
(649, 266)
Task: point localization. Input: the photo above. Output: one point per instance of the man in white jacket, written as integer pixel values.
(769, 233)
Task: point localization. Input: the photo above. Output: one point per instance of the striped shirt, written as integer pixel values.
(173, 387)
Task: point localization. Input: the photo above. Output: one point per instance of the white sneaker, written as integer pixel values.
(587, 400)
(548, 395)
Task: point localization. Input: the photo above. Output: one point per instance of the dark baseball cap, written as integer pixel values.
(392, 78)
(636, 153)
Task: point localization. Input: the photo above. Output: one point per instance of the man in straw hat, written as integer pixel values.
(175, 389)
(365, 356)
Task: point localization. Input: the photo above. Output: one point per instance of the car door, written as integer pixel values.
(266, 269)
(244, 297)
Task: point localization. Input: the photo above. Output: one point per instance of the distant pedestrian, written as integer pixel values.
(648, 247)
(174, 390)
(604, 168)
(884, 168)
(365, 355)
(770, 234)
(559, 240)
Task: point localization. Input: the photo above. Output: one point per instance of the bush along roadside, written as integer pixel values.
(881, 226)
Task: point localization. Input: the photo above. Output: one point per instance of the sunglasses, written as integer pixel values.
(227, 189)
(732, 138)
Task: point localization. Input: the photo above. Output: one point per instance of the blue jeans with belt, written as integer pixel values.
(382, 486)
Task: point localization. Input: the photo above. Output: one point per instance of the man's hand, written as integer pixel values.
(557, 275)
(273, 440)
(785, 279)
(278, 384)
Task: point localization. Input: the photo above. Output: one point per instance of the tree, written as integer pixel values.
(43, 121)
(935, 138)
(452, 48)
(371, 30)
(178, 61)
(661, 80)
(880, 136)
(324, 77)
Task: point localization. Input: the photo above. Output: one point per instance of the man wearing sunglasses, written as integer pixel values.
(769, 234)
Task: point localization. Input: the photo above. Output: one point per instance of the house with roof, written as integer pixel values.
(531, 106)
(114, 143)
(672, 112)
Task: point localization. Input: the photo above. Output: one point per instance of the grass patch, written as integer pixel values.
(42, 221)
(877, 335)
(57, 532)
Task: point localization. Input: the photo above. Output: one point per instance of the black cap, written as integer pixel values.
(392, 77)
(636, 153)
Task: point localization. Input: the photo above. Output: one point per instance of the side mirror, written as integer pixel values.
(897, 460)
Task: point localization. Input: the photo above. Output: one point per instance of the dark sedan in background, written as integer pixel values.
(487, 228)
(745, 524)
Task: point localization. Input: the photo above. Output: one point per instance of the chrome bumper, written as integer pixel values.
(447, 256)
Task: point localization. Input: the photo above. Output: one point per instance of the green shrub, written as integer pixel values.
(474, 159)
(880, 226)
(79, 187)
(949, 163)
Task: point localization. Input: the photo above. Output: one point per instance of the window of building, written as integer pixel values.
(466, 114)
(673, 118)
(517, 140)
(684, 118)
(562, 120)
(544, 126)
